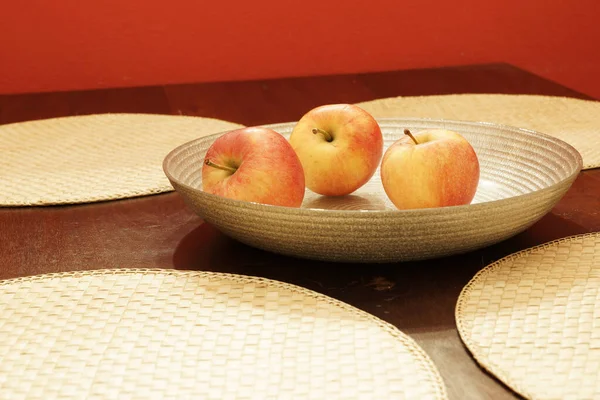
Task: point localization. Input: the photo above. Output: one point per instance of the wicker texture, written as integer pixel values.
(574, 121)
(175, 334)
(533, 319)
(92, 158)
(523, 174)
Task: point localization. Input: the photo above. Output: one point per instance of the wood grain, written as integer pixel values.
(160, 232)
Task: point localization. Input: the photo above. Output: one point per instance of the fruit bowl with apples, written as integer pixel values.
(339, 185)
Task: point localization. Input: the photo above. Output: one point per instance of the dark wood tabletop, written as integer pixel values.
(160, 232)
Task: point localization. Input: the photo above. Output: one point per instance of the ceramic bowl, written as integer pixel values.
(523, 175)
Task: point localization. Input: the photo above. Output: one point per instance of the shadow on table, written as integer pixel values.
(411, 295)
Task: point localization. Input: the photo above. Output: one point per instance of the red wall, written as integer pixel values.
(50, 45)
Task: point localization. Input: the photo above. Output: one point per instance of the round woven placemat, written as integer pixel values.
(182, 334)
(574, 121)
(92, 158)
(533, 319)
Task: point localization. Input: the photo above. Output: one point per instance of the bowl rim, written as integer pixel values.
(381, 213)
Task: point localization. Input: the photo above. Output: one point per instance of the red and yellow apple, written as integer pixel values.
(432, 168)
(254, 164)
(340, 147)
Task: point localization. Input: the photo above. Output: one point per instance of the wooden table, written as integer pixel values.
(160, 232)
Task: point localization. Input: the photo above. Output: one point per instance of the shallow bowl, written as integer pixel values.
(523, 175)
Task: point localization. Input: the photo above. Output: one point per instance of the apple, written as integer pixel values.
(254, 164)
(433, 168)
(340, 147)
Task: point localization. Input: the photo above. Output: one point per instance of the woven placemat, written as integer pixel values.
(533, 319)
(183, 334)
(92, 158)
(574, 121)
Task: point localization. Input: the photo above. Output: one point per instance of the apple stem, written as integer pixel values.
(327, 135)
(407, 132)
(223, 167)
